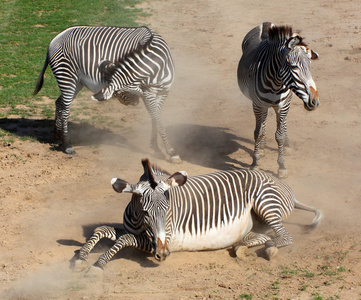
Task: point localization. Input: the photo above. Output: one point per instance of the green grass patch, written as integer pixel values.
(26, 29)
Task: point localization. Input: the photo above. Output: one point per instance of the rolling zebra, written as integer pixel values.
(213, 211)
(275, 62)
(127, 63)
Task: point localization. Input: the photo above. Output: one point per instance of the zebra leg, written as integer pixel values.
(140, 242)
(283, 238)
(154, 102)
(62, 112)
(122, 239)
(251, 239)
(69, 88)
(259, 133)
(99, 233)
(281, 136)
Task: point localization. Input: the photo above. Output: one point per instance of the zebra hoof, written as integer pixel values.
(69, 151)
(94, 271)
(271, 252)
(80, 265)
(282, 173)
(175, 159)
(241, 251)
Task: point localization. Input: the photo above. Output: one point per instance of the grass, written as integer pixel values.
(26, 29)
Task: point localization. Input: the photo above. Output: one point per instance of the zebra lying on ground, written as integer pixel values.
(127, 63)
(275, 62)
(213, 211)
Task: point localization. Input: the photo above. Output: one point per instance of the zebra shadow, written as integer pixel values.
(81, 134)
(142, 258)
(209, 146)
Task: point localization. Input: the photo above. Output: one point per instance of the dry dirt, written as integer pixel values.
(50, 202)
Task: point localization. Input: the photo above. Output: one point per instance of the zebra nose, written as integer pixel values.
(314, 99)
(315, 102)
(162, 251)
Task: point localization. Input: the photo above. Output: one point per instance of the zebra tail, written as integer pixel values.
(317, 219)
(39, 83)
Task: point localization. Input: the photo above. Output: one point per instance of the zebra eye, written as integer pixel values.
(146, 214)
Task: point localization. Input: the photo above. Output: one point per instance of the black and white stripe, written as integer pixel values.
(275, 62)
(127, 63)
(213, 211)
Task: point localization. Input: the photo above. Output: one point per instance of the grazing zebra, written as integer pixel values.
(213, 211)
(275, 63)
(127, 63)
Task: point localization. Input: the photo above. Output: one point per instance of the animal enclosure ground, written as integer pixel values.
(50, 203)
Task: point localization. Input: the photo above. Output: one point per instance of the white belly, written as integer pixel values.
(216, 238)
(91, 84)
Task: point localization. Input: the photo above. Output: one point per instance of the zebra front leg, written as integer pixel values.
(259, 134)
(140, 242)
(99, 233)
(282, 137)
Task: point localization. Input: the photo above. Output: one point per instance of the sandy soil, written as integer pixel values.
(50, 202)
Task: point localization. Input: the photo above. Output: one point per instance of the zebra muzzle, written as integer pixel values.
(162, 251)
(314, 99)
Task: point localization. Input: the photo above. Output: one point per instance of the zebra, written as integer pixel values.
(125, 62)
(275, 62)
(213, 211)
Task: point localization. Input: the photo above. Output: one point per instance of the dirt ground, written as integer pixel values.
(50, 202)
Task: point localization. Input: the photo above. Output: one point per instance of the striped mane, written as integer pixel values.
(281, 34)
(158, 171)
(144, 42)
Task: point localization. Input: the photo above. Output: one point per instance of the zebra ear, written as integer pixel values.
(293, 41)
(177, 179)
(121, 186)
(313, 54)
(107, 68)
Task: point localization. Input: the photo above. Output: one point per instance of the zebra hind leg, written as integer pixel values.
(283, 238)
(251, 239)
(61, 126)
(154, 101)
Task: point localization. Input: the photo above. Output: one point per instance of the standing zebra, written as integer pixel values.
(213, 211)
(128, 63)
(275, 63)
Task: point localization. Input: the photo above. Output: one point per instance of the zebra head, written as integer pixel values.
(151, 193)
(298, 71)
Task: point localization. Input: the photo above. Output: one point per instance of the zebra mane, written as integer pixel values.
(108, 68)
(280, 33)
(152, 172)
(157, 171)
(143, 44)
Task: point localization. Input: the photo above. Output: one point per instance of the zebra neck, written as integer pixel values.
(269, 84)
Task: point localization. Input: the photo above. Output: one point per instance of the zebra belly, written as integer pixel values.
(216, 238)
(91, 84)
